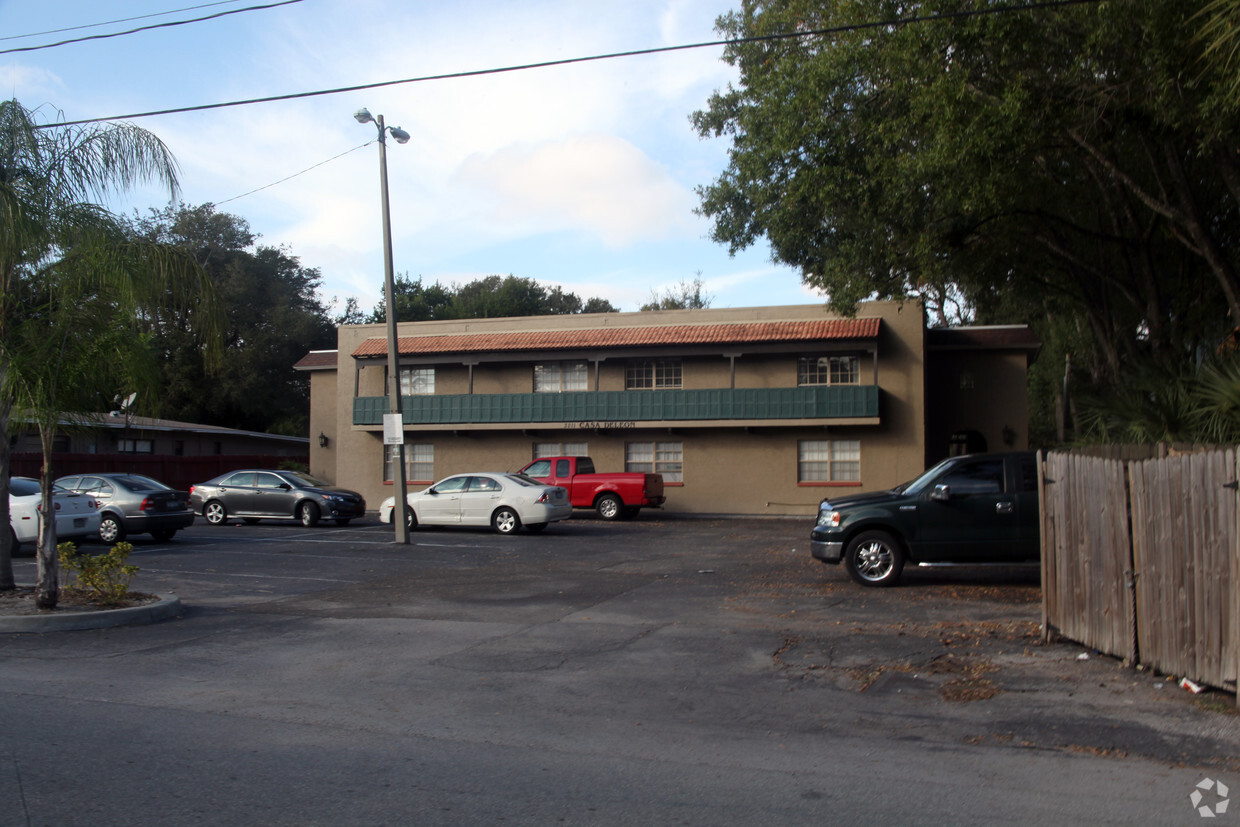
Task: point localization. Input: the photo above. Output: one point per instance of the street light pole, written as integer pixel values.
(400, 509)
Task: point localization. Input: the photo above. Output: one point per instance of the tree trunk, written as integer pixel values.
(7, 583)
(47, 587)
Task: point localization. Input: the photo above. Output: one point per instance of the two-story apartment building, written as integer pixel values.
(743, 411)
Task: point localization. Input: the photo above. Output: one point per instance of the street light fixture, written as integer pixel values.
(400, 510)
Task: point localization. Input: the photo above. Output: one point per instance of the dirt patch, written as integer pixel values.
(21, 601)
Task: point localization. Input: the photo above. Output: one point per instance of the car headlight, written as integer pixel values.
(828, 518)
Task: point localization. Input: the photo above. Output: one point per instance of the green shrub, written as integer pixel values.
(104, 577)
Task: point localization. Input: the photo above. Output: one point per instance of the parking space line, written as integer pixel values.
(249, 576)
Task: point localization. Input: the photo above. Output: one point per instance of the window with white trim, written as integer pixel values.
(417, 381)
(652, 374)
(558, 377)
(560, 449)
(828, 370)
(419, 462)
(829, 460)
(666, 458)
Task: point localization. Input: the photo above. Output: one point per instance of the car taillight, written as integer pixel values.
(543, 498)
(146, 503)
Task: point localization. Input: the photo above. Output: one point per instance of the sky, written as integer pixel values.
(580, 176)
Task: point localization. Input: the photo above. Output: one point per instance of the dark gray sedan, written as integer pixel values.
(133, 504)
(261, 494)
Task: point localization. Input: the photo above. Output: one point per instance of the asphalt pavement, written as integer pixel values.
(687, 671)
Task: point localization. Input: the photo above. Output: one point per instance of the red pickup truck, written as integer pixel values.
(614, 496)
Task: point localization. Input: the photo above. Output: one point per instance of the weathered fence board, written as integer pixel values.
(1141, 557)
(1086, 569)
(1186, 550)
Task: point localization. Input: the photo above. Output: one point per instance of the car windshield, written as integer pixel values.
(137, 482)
(23, 487)
(918, 485)
(303, 479)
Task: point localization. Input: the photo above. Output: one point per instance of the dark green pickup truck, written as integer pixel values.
(980, 508)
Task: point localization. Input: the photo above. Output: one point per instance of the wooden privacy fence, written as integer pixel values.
(1141, 559)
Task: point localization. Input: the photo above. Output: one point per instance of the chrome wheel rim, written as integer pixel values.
(875, 560)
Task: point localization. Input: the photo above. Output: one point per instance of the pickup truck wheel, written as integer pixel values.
(609, 507)
(874, 558)
(505, 520)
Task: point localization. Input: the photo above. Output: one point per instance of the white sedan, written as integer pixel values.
(503, 501)
(77, 515)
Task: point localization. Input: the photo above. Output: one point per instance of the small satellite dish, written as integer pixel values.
(128, 403)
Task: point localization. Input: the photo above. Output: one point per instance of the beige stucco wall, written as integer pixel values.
(730, 469)
(324, 420)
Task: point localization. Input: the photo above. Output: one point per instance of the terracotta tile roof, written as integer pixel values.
(318, 359)
(611, 337)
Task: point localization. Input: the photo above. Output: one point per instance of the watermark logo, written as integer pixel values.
(1217, 791)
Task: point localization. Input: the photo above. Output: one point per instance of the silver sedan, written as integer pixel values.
(77, 515)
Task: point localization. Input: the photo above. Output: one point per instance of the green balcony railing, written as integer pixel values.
(840, 402)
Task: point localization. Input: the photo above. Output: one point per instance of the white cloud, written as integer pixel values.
(597, 183)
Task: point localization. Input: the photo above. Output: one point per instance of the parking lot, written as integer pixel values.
(696, 671)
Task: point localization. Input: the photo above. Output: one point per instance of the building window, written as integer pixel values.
(664, 458)
(417, 381)
(828, 370)
(560, 449)
(652, 375)
(558, 377)
(829, 460)
(135, 446)
(419, 462)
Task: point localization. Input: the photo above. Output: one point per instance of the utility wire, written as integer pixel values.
(850, 27)
(113, 22)
(147, 28)
(297, 174)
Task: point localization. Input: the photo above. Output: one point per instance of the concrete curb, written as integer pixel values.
(167, 606)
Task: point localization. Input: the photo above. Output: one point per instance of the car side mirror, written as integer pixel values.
(941, 493)
(286, 486)
(432, 492)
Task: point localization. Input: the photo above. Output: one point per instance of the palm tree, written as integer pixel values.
(1219, 36)
(61, 254)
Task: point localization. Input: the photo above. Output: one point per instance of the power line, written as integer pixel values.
(851, 27)
(114, 22)
(295, 174)
(147, 28)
